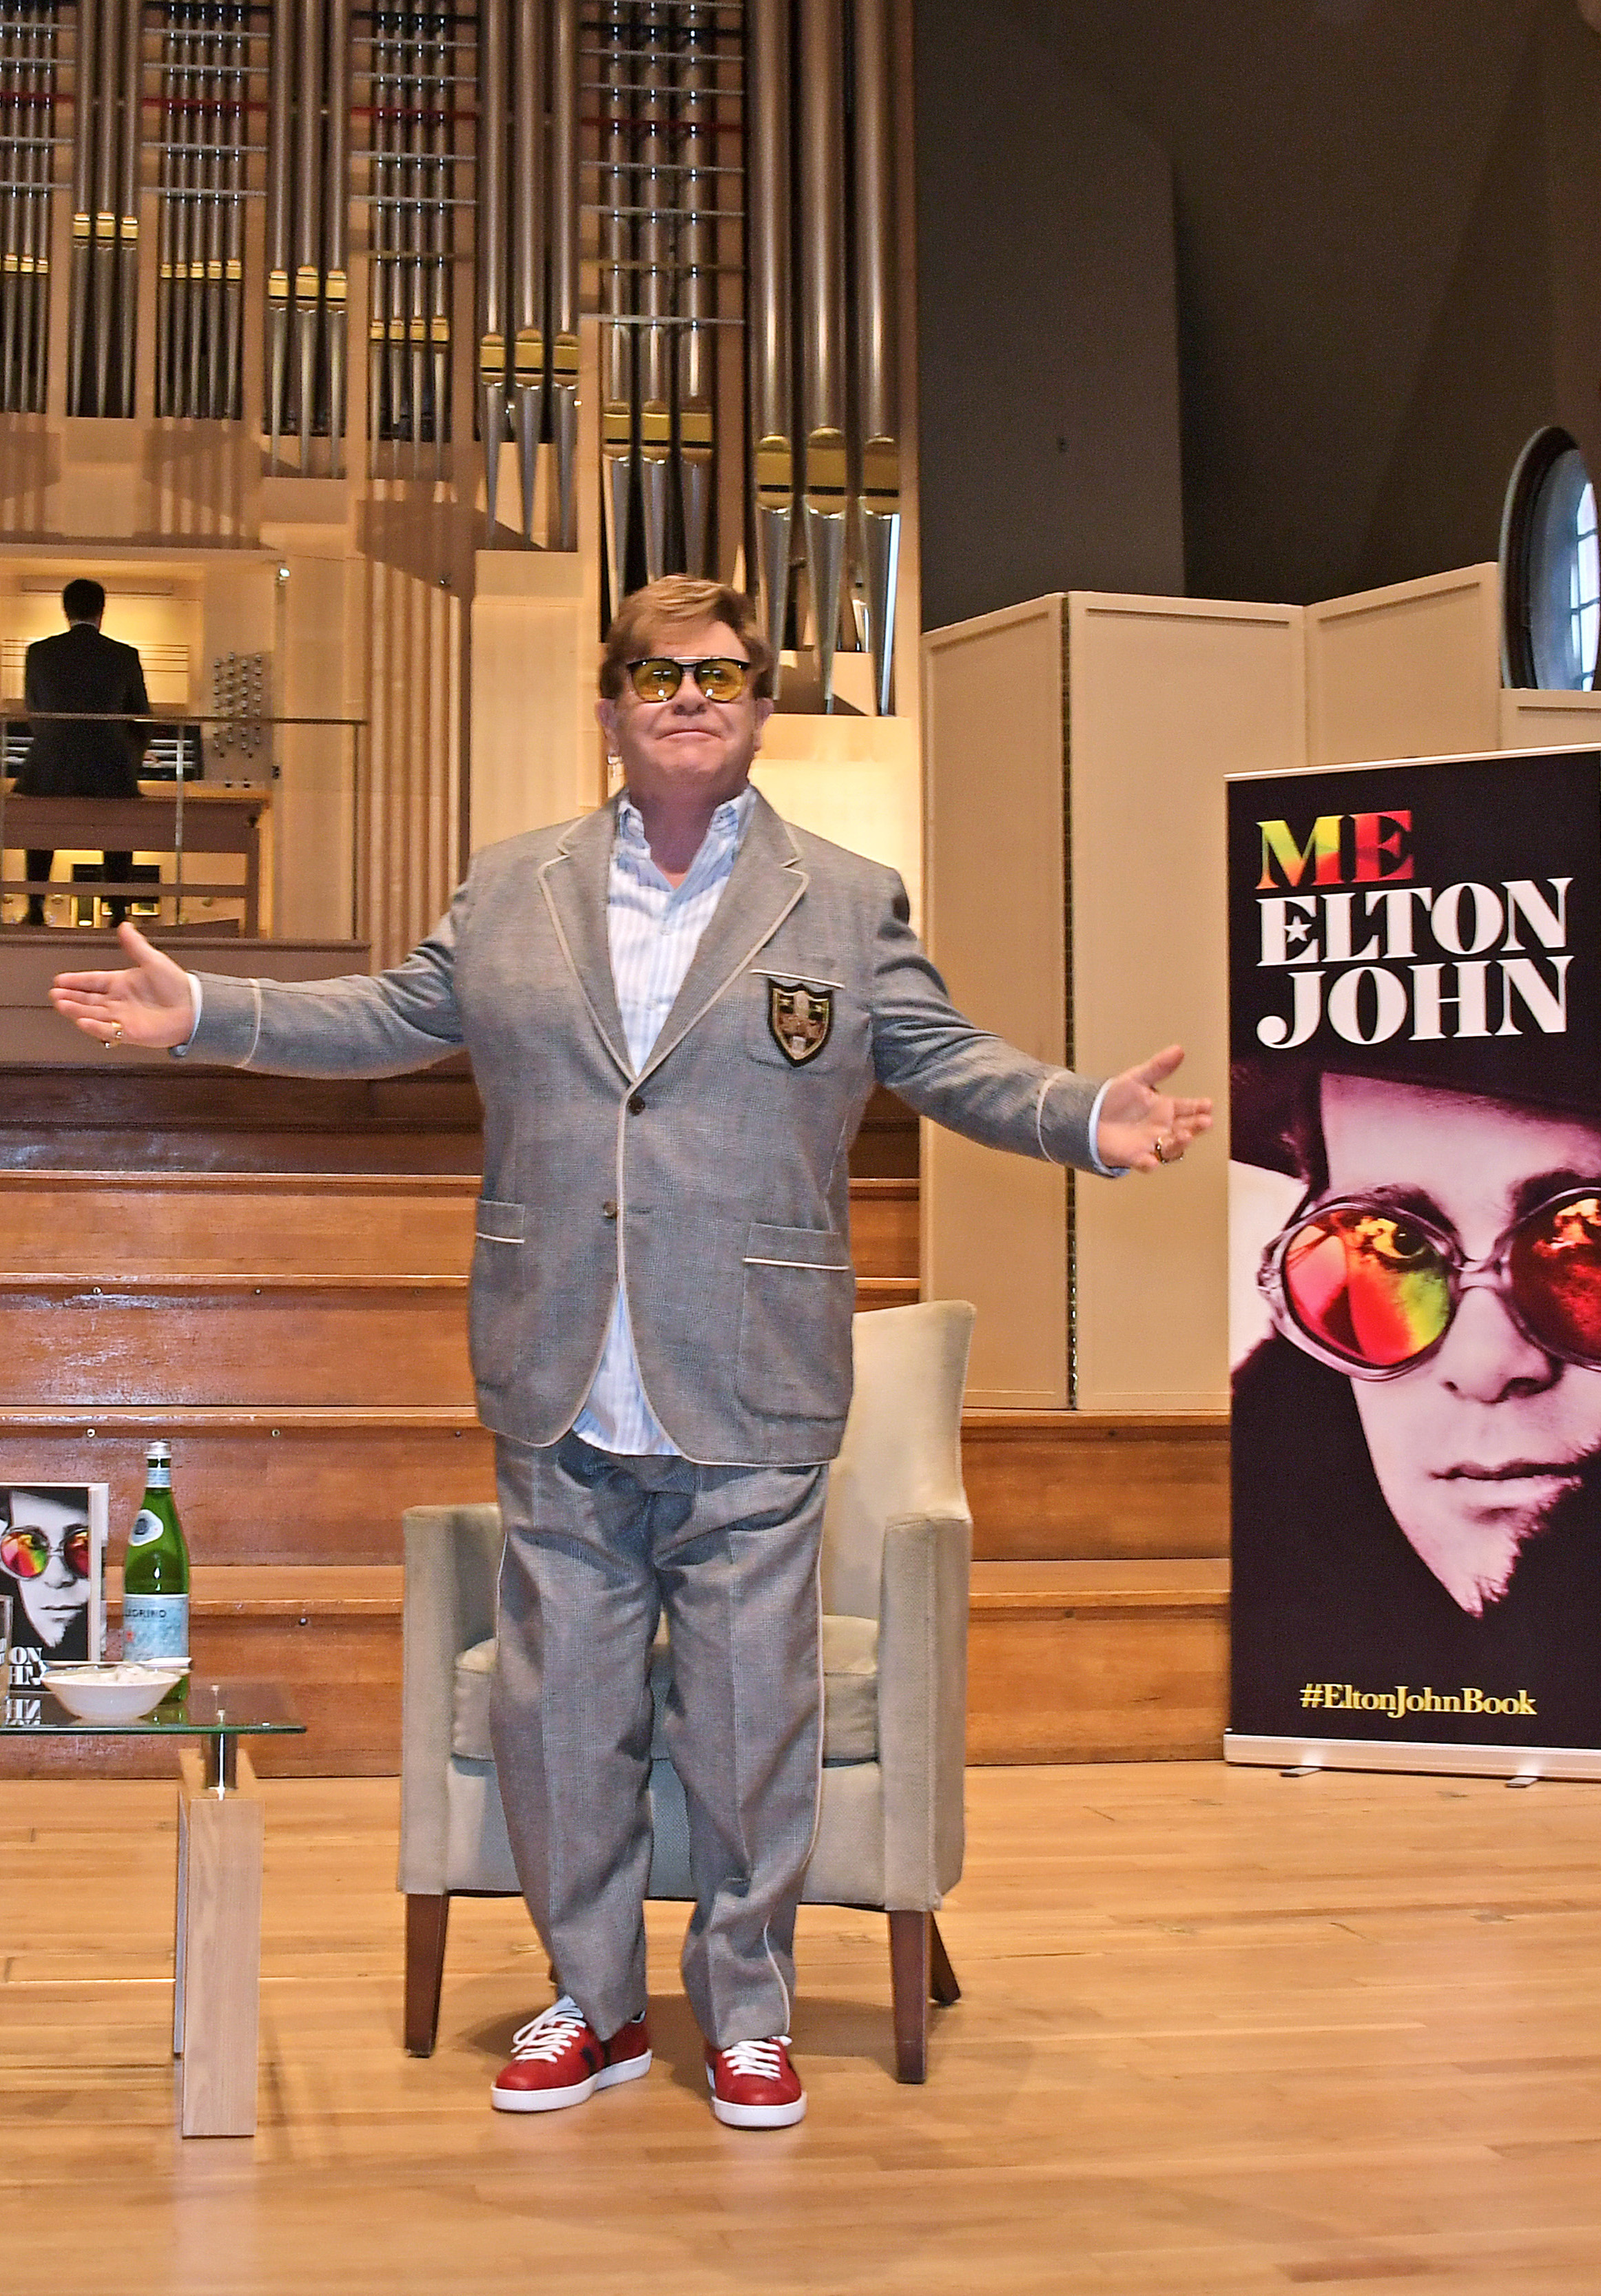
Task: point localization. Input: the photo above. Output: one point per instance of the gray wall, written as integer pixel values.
(1388, 274)
(1047, 364)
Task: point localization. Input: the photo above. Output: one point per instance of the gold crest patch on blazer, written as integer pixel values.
(799, 1019)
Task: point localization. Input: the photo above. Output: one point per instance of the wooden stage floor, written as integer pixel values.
(1223, 2033)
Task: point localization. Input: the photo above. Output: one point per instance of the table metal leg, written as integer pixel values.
(218, 1955)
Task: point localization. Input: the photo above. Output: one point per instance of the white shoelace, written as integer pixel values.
(758, 2059)
(544, 2038)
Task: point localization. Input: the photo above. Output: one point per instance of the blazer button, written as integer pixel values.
(609, 1210)
(637, 1104)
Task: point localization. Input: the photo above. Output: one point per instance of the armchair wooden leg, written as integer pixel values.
(910, 1989)
(425, 1924)
(942, 1978)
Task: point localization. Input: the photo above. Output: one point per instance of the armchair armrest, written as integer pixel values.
(452, 1564)
(923, 1706)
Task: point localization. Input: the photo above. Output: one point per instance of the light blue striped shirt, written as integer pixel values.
(653, 929)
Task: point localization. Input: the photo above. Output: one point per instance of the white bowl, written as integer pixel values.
(111, 1693)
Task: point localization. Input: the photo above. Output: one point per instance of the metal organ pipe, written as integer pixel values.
(655, 274)
(336, 227)
(280, 68)
(696, 152)
(127, 209)
(491, 239)
(564, 262)
(14, 44)
(527, 244)
(438, 242)
(403, 358)
(308, 123)
(102, 267)
(769, 316)
(820, 190)
(617, 287)
(877, 336)
(84, 64)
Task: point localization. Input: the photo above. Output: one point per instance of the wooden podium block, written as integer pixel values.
(217, 1958)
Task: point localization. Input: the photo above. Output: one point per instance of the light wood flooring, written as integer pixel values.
(1223, 2032)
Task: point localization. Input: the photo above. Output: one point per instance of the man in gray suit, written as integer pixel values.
(676, 1008)
(82, 670)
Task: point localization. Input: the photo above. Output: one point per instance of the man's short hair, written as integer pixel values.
(83, 601)
(681, 602)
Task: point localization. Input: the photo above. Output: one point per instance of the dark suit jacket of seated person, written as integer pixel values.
(82, 669)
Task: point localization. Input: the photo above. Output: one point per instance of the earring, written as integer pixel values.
(613, 761)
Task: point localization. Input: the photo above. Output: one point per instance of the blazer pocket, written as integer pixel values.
(496, 1302)
(794, 1328)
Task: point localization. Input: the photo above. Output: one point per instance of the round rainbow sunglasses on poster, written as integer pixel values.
(1371, 1287)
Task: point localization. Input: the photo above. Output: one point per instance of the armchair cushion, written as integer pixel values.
(849, 1693)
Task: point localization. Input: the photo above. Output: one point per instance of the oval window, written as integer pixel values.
(1550, 569)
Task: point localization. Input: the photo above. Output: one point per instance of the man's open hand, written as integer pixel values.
(151, 1005)
(1142, 1126)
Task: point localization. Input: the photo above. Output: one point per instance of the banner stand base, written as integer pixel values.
(1522, 1763)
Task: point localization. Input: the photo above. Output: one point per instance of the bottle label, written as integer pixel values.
(155, 1626)
(147, 1528)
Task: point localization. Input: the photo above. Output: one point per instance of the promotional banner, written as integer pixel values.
(1415, 1256)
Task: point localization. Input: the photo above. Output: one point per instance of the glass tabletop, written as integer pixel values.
(204, 1710)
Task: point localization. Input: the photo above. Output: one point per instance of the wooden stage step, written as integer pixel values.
(1095, 1661)
(1067, 1663)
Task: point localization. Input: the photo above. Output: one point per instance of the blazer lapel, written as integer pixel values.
(763, 887)
(576, 883)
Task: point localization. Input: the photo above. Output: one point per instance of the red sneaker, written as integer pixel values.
(557, 2060)
(754, 2085)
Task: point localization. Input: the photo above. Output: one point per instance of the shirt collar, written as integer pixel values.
(726, 826)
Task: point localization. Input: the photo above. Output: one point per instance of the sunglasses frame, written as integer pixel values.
(1463, 1275)
(29, 1531)
(690, 669)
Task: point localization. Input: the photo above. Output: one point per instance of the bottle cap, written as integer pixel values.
(159, 1455)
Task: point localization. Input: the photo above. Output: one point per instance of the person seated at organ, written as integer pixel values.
(81, 669)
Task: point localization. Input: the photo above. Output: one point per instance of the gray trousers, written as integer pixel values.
(596, 1547)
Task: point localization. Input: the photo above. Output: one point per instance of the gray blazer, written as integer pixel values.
(721, 1169)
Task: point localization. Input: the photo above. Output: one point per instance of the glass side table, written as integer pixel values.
(216, 1938)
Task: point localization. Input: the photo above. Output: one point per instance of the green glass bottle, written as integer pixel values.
(155, 1574)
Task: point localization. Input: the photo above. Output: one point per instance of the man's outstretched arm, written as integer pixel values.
(354, 1026)
(975, 1083)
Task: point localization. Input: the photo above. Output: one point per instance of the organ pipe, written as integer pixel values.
(768, 317)
(821, 201)
(877, 337)
(280, 68)
(84, 66)
(564, 263)
(527, 244)
(654, 277)
(14, 57)
(618, 286)
(307, 237)
(491, 241)
(439, 242)
(336, 227)
(697, 293)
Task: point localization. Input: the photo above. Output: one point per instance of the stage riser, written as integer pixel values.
(1043, 1486)
(1098, 1683)
(331, 1487)
(104, 1226)
(354, 1348)
(253, 1489)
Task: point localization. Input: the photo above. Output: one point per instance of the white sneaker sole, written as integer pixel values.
(557, 2100)
(754, 2116)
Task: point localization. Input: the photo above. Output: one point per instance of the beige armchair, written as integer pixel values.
(896, 1543)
